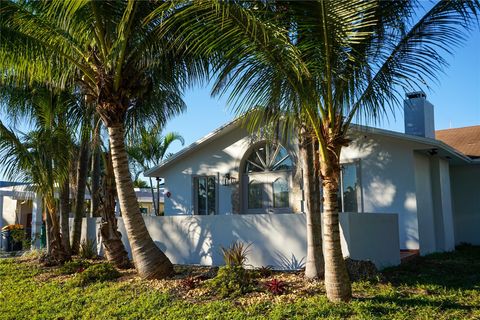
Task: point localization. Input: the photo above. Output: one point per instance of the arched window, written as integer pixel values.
(267, 177)
(268, 157)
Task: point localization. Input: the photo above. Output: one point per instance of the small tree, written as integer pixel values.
(147, 149)
(35, 157)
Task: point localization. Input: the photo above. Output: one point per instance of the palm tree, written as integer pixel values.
(147, 149)
(111, 237)
(35, 157)
(81, 184)
(354, 60)
(120, 62)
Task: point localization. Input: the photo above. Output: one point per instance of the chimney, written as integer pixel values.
(418, 112)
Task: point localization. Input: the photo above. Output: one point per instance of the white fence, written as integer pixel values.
(278, 240)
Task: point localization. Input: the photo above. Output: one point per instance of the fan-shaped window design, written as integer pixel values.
(268, 157)
(280, 193)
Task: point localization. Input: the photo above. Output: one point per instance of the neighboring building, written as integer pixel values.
(431, 185)
(19, 204)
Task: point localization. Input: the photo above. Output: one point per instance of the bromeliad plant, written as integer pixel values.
(236, 254)
(276, 287)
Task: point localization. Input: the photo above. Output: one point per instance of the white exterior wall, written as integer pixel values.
(425, 213)
(387, 180)
(466, 203)
(36, 221)
(218, 157)
(278, 240)
(9, 210)
(396, 176)
(442, 203)
(1, 212)
(215, 159)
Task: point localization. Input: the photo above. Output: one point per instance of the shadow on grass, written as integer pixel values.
(383, 305)
(459, 269)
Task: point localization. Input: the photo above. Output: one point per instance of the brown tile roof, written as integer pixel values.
(465, 140)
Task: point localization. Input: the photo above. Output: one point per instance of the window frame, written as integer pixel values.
(359, 190)
(194, 189)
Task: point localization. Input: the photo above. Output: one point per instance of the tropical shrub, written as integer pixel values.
(276, 287)
(265, 271)
(75, 266)
(35, 254)
(189, 282)
(232, 281)
(18, 235)
(96, 273)
(236, 254)
(87, 249)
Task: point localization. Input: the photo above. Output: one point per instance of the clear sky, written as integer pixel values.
(456, 99)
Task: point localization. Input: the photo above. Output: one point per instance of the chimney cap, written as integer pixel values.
(416, 94)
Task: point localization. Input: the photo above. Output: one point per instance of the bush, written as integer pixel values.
(97, 273)
(276, 287)
(232, 281)
(18, 235)
(265, 272)
(35, 254)
(189, 283)
(236, 254)
(88, 249)
(75, 266)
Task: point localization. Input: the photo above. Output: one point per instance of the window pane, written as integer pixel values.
(268, 157)
(202, 196)
(252, 167)
(350, 186)
(286, 164)
(254, 195)
(280, 193)
(211, 202)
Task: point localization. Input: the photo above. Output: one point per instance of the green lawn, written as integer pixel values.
(439, 286)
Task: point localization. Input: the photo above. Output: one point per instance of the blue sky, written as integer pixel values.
(456, 99)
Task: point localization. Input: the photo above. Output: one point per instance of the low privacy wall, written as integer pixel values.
(278, 240)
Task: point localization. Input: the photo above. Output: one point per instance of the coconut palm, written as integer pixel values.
(122, 65)
(147, 149)
(35, 158)
(355, 59)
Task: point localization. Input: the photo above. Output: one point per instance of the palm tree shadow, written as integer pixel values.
(452, 270)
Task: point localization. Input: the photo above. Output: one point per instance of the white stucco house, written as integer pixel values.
(406, 191)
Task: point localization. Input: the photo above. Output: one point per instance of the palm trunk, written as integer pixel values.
(65, 213)
(56, 249)
(314, 267)
(80, 197)
(111, 238)
(149, 260)
(96, 172)
(337, 282)
(48, 224)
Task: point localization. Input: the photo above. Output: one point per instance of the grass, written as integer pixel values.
(438, 286)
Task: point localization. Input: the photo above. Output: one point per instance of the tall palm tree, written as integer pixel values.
(148, 148)
(120, 63)
(35, 158)
(81, 184)
(354, 61)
